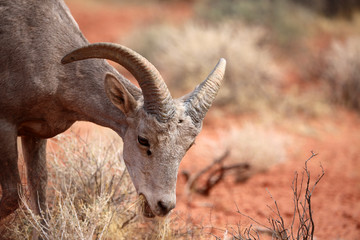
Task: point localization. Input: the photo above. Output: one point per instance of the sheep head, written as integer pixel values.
(160, 129)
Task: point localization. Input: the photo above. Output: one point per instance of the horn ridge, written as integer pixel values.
(157, 97)
(200, 100)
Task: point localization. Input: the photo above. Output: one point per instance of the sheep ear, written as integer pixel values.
(119, 95)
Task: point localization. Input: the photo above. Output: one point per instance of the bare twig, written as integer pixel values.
(216, 172)
(217, 175)
(252, 219)
(277, 225)
(306, 228)
(302, 210)
(193, 179)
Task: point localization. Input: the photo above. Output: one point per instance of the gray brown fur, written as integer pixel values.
(40, 97)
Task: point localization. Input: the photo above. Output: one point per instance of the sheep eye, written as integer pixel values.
(143, 141)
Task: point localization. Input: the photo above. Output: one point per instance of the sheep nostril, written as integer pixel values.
(164, 207)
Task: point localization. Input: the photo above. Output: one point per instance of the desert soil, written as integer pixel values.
(336, 199)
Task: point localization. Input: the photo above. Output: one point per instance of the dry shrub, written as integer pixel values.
(302, 225)
(253, 81)
(90, 196)
(287, 21)
(89, 192)
(259, 146)
(342, 72)
(311, 102)
(249, 150)
(185, 56)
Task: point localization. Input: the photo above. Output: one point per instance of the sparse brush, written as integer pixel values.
(253, 81)
(302, 225)
(186, 55)
(90, 196)
(89, 192)
(259, 146)
(287, 21)
(342, 72)
(69, 219)
(250, 150)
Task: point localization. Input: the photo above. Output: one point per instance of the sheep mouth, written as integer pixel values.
(145, 207)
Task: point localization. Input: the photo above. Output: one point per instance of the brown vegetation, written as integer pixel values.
(287, 137)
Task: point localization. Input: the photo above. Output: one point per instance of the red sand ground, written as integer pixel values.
(336, 200)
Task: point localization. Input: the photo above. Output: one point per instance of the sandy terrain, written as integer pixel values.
(336, 200)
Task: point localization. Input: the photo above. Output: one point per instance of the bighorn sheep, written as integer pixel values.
(42, 93)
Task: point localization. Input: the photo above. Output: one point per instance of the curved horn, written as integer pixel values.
(199, 101)
(157, 98)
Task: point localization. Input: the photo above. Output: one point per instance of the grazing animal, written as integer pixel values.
(50, 77)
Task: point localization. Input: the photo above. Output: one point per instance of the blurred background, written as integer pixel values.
(292, 86)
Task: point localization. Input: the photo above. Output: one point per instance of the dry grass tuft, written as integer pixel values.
(259, 146)
(90, 196)
(253, 82)
(287, 21)
(185, 56)
(342, 72)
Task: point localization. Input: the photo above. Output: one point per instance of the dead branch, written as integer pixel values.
(192, 180)
(217, 175)
(302, 210)
(216, 172)
(278, 224)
